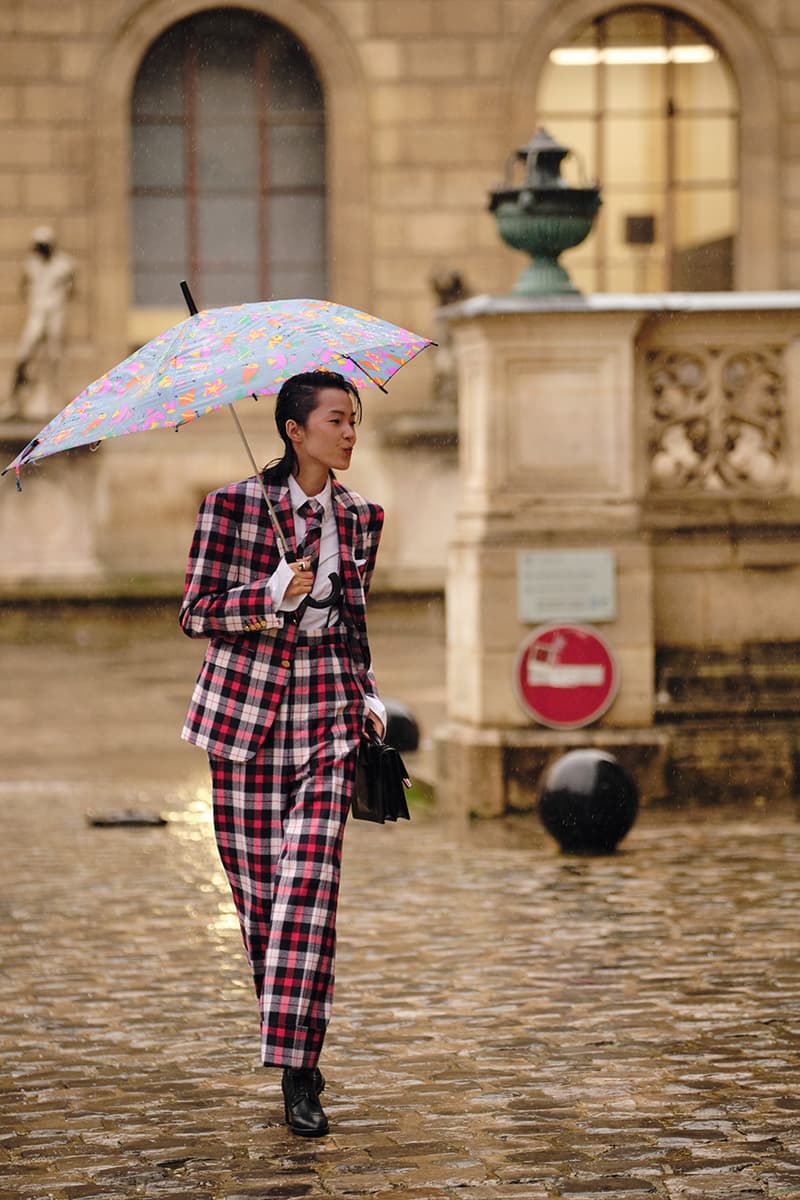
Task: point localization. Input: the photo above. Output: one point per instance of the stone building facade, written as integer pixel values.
(423, 100)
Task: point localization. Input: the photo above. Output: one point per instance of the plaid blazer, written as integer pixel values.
(226, 599)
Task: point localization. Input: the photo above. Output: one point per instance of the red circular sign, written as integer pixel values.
(565, 676)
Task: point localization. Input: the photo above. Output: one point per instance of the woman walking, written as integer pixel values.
(283, 696)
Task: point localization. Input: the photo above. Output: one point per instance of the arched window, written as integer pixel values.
(228, 164)
(649, 104)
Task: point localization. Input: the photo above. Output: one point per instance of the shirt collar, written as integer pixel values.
(298, 496)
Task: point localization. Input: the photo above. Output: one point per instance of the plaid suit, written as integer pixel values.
(280, 712)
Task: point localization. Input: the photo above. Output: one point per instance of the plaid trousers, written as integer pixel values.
(279, 820)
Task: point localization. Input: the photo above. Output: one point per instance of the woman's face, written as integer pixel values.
(329, 434)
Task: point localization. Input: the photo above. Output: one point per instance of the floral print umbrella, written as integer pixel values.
(219, 356)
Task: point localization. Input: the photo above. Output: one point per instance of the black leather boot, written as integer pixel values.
(304, 1114)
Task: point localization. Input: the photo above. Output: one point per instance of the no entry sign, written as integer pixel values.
(565, 676)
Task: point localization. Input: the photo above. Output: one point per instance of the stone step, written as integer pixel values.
(761, 681)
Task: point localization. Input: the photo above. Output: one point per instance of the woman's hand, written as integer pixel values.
(302, 579)
(374, 722)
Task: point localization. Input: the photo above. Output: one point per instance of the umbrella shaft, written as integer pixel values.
(276, 524)
(190, 304)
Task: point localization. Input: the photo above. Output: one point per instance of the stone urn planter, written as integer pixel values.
(544, 216)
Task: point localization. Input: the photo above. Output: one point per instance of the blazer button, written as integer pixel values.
(286, 662)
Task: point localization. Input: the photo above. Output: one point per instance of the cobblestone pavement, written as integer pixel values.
(509, 1023)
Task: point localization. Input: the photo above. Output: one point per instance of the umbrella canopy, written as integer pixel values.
(222, 355)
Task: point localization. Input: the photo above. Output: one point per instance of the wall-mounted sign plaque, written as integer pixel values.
(566, 585)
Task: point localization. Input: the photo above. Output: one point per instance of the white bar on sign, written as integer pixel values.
(564, 675)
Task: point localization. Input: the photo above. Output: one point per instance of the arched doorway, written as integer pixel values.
(645, 96)
(227, 164)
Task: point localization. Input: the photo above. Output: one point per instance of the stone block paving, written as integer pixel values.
(510, 1023)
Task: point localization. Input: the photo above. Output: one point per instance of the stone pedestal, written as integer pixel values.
(48, 533)
(547, 462)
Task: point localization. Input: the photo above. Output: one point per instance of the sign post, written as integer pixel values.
(565, 676)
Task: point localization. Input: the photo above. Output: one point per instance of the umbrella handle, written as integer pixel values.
(333, 596)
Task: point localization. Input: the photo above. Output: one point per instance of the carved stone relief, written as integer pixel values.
(717, 419)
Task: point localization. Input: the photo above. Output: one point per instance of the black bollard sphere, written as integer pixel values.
(402, 730)
(588, 802)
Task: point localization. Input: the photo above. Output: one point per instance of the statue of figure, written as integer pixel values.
(48, 281)
(449, 287)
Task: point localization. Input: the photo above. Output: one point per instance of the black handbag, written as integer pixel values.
(381, 780)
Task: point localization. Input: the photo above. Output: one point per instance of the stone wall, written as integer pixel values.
(424, 100)
(443, 89)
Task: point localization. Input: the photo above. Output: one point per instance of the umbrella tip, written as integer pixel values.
(189, 298)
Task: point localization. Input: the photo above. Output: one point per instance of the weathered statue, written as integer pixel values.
(449, 287)
(48, 281)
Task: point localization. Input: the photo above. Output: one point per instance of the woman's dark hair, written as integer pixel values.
(296, 400)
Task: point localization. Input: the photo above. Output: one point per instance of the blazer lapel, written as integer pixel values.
(346, 529)
(354, 611)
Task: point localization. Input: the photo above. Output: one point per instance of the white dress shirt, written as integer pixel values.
(315, 618)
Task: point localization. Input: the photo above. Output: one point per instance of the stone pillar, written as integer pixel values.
(548, 461)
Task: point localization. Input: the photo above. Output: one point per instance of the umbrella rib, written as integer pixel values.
(377, 382)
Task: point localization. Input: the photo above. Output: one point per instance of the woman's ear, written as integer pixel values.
(294, 432)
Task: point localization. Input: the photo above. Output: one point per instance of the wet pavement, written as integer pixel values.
(509, 1023)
